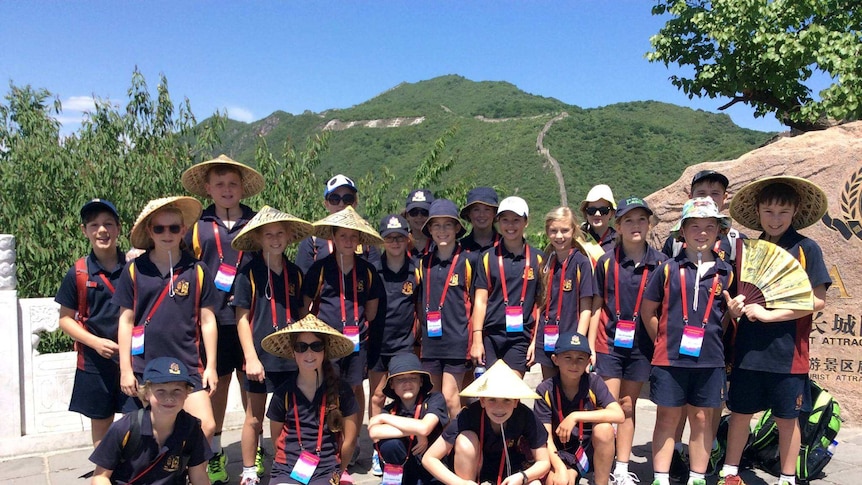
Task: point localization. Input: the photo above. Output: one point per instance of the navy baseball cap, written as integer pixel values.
(629, 204)
(339, 181)
(710, 175)
(572, 341)
(393, 223)
(166, 369)
(421, 198)
(98, 205)
(480, 195)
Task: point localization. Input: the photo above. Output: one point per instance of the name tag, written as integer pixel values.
(352, 332)
(304, 468)
(514, 319)
(392, 474)
(435, 324)
(224, 277)
(692, 341)
(624, 337)
(552, 332)
(138, 340)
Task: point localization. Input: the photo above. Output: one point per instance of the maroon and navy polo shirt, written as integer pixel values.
(174, 329)
(564, 292)
(313, 249)
(104, 315)
(455, 276)
(554, 406)
(394, 329)
(261, 290)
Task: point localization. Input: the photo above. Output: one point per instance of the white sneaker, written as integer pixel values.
(625, 478)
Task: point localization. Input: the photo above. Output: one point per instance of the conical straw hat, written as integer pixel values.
(350, 219)
(245, 240)
(501, 382)
(195, 177)
(189, 206)
(812, 202)
(280, 343)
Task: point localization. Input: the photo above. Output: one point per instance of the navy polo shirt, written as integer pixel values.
(455, 312)
(174, 330)
(202, 240)
(433, 403)
(322, 283)
(417, 252)
(488, 277)
(782, 347)
(313, 249)
(281, 410)
(104, 315)
(577, 282)
(592, 394)
(523, 426)
(724, 248)
(110, 451)
(630, 278)
(469, 244)
(254, 282)
(607, 242)
(394, 328)
(664, 287)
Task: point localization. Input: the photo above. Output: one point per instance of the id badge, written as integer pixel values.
(583, 461)
(138, 340)
(352, 332)
(304, 468)
(514, 319)
(624, 337)
(552, 332)
(435, 324)
(224, 277)
(692, 341)
(392, 474)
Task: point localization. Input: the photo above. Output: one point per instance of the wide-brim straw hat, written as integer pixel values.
(246, 241)
(403, 364)
(813, 202)
(195, 177)
(189, 206)
(501, 382)
(280, 343)
(347, 218)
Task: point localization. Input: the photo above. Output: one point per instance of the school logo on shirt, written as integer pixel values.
(718, 289)
(407, 288)
(360, 285)
(530, 274)
(567, 285)
(722, 255)
(453, 281)
(291, 289)
(172, 464)
(182, 288)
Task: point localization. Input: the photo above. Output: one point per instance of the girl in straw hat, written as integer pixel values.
(267, 298)
(493, 436)
(311, 406)
(166, 299)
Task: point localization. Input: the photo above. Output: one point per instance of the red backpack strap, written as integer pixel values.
(82, 277)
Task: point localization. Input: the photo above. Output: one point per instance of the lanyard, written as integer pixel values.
(286, 300)
(503, 274)
(355, 297)
(560, 291)
(560, 412)
(319, 426)
(482, 447)
(107, 282)
(685, 298)
(161, 298)
(445, 284)
(218, 246)
(617, 295)
(416, 413)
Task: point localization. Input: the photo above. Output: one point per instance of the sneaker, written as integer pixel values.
(375, 465)
(625, 478)
(346, 478)
(679, 467)
(249, 480)
(730, 480)
(258, 461)
(716, 460)
(217, 469)
(698, 481)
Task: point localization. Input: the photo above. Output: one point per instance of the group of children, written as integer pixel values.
(213, 294)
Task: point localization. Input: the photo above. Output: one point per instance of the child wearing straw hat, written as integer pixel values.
(166, 299)
(771, 360)
(312, 406)
(226, 182)
(267, 298)
(414, 419)
(578, 412)
(496, 439)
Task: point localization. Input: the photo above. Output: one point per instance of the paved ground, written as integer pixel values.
(64, 467)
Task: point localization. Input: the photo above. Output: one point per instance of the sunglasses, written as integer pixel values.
(594, 211)
(416, 212)
(336, 199)
(394, 239)
(173, 228)
(302, 347)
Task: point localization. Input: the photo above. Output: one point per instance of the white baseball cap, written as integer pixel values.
(514, 204)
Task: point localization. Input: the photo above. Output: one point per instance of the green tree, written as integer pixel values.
(762, 53)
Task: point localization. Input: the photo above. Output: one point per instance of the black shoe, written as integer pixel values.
(679, 467)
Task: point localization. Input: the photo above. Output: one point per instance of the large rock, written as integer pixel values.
(833, 160)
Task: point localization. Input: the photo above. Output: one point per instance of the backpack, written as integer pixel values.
(818, 428)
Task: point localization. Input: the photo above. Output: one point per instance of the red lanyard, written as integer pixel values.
(617, 287)
(560, 291)
(161, 298)
(218, 246)
(503, 273)
(319, 426)
(560, 412)
(445, 284)
(107, 282)
(416, 413)
(286, 300)
(482, 447)
(355, 297)
(685, 298)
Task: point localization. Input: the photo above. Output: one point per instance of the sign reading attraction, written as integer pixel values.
(832, 159)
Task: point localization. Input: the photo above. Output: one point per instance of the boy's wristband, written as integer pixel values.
(524, 480)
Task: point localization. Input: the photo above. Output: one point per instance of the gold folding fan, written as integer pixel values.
(772, 277)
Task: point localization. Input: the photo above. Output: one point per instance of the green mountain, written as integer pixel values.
(635, 147)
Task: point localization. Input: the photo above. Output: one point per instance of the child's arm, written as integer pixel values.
(557, 464)
(105, 347)
(480, 305)
(128, 382)
(613, 413)
(371, 309)
(588, 321)
(432, 461)
(253, 368)
(538, 470)
(349, 433)
(209, 332)
(102, 476)
(386, 426)
(649, 317)
(198, 474)
(755, 312)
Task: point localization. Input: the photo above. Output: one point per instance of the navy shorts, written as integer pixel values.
(514, 354)
(436, 367)
(785, 394)
(612, 366)
(379, 363)
(352, 367)
(677, 386)
(571, 461)
(229, 350)
(98, 395)
(271, 382)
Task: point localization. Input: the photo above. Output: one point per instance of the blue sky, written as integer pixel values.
(252, 58)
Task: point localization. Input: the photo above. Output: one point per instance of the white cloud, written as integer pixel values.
(240, 114)
(79, 103)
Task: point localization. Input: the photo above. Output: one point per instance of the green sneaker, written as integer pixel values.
(730, 480)
(258, 461)
(217, 469)
(697, 481)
